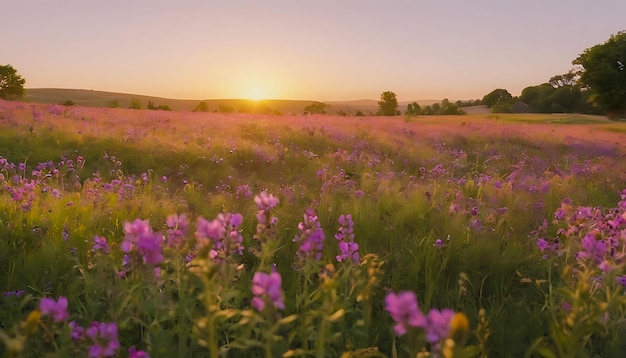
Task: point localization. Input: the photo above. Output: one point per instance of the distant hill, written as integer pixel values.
(92, 98)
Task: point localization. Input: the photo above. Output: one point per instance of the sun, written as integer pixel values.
(256, 94)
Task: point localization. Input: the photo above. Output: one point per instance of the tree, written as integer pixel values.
(316, 108)
(495, 96)
(11, 83)
(115, 104)
(388, 104)
(603, 71)
(413, 109)
(201, 107)
(135, 104)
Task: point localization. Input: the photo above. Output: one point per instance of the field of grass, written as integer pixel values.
(176, 234)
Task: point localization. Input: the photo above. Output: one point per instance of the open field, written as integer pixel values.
(516, 223)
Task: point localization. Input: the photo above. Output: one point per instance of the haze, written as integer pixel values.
(316, 50)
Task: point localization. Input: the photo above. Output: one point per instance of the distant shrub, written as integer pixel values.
(68, 102)
(201, 107)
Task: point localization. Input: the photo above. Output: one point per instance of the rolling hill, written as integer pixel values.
(93, 98)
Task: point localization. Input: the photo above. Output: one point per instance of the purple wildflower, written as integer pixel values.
(149, 246)
(311, 237)
(438, 324)
(78, 332)
(267, 289)
(100, 243)
(133, 230)
(177, 229)
(349, 250)
(221, 235)
(265, 201)
(404, 310)
(621, 280)
(104, 338)
(134, 353)
(56, 309)
(17, 293)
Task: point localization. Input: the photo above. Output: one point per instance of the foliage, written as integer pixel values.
(316, 108)
(503, 107)
(388, 104)
(115, 103)
(135, 104)
(222, 108)
(444, 108)
(68, 102)
(603, 72)
(201, 107)
(157, 108)
(11, 83)
(413, 109)
(558, 96)
(496, 96)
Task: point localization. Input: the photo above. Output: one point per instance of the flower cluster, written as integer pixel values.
(141, 245)
(176, 229)
(310, 237)
(265, 202)
(349, 250)
(221, 236)
(55, 309)
(103, 337)
(405, 312)
(267, 290)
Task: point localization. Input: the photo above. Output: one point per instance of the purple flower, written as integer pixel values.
(56, 309)
(265, 201)
(221, 235)
(349, 250)
(177, 229)
(404, 310)
(621, 280)
(17, 293)
(267, 289)
(438, 324)
(104, 338)
(100, 243)
(149, 246)
(134, 353)
(78, 332)
(311, 237)
(133, 230)
(592, 248)
(438, 243)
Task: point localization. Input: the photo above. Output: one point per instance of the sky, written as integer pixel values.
(291, 49)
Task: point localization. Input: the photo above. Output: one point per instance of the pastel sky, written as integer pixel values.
(290, 49)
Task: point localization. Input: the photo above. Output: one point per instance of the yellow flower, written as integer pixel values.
(459, 328)
(31, 324)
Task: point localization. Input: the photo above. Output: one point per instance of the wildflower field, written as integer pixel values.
(176, 234)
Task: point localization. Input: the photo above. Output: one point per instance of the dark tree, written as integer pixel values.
(388, 104)
(201, 107)
(11, 83)
(495, 96)
(603, 71)
(316, 108)
(413, 109)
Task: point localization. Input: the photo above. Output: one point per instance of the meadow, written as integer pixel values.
(176, 234)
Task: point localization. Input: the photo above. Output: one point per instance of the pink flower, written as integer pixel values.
(56, 309)
(404, 310)
(267, 289)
